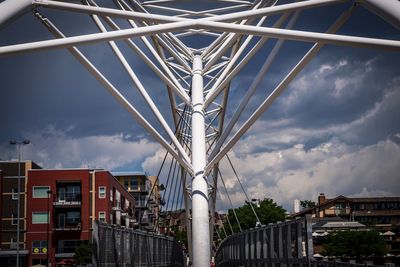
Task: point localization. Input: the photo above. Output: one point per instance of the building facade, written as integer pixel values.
(8, 211)
(62, 206)
(381, 212)
(369, 213)
(146, 192)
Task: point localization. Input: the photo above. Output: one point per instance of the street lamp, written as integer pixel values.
(19, 143)
(49, 192)
(256, 201)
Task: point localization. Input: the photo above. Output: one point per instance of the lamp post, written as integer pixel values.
(49, 192)
(19, 143)
(257, 201)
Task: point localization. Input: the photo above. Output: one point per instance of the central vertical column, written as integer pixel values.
(200, 218)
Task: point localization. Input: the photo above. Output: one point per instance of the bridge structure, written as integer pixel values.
(197, 49)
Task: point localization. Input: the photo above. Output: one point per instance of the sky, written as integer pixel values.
(334, 130)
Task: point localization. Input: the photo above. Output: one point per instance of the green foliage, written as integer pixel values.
(83, 254)
(181, 236)
(306, 204)
(355, 244)
(267, 210)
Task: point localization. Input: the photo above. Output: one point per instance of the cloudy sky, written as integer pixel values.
(335, 129)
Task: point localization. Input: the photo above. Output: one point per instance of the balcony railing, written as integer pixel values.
(140, 203)
(68, 199)
(68, 226)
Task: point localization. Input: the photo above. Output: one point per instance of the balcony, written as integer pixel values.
(140, 203)
(342, 211)
(68, 200)
(69, 225)
(117, 206)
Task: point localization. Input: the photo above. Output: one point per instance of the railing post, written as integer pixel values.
(272, 245)
(288, 243)
(309, 240)
(280, 242)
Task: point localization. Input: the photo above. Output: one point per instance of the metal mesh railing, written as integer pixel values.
(324, 263)
(287, 243)
(117, 246)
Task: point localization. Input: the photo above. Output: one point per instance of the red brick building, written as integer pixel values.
(63, 204)
(9, 209)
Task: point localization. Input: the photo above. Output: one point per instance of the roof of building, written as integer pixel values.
(129, 173)
(341, 198)
(342, 225)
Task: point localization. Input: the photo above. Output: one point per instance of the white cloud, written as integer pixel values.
(334, 168)
(54, 148)
(336, 79)
(273, 159)
(274, 134)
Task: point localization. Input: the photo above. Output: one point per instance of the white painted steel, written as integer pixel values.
(162, 18)
(229, 42)
(303, 36)
(251, 30)
(228, 73)
(200, 222)
(249, 93)
(143, 92)
(102, 11)
(9, 9)
(170, 80)
(93, 38)
(218, 71)
(387, 9)
(117, 95)
(275, 93)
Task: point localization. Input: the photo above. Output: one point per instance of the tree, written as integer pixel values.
(267, 211)
(355, 244)
(306, 204)
(83, 254)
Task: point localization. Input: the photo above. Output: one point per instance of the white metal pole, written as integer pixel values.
(388, 10)
(275, 93)
(303, 36)
(11, 8)
(257, 80)
(117, 95)
(143, 92)
(200, 218)
(95, 37)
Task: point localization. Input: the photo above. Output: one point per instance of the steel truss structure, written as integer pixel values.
(197, 77)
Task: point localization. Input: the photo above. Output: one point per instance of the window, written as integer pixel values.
(39, 246)
(111, 195)
(102, 192)
(383, 220)
(14, 219)
(134, 184)
(14, 193)
(73, 217)
(40, 191)
(13, 244)
(73, 192)
(102, 216)
(68, 246)
(42, 262)
(40, 217)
